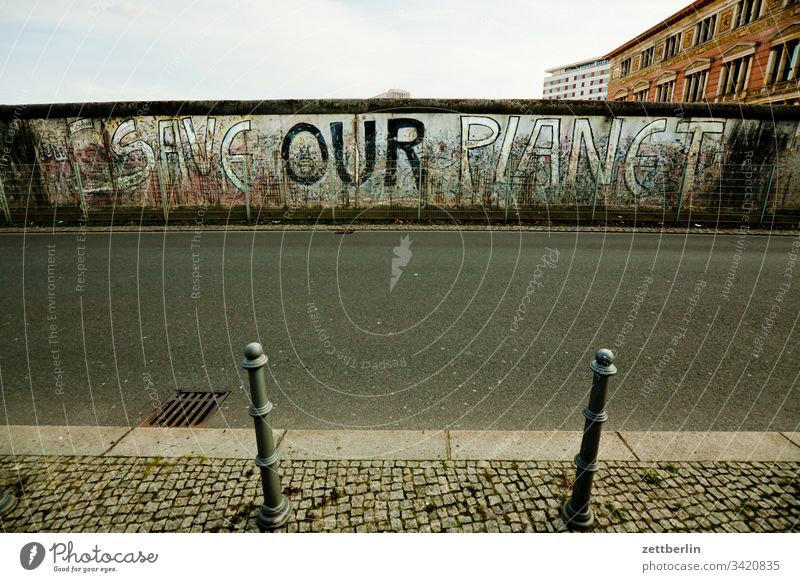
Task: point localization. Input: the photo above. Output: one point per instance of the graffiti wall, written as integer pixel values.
(367, 153)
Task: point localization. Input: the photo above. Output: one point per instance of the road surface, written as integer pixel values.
(460, 330)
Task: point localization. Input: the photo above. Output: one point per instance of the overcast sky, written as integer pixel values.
(119, 50)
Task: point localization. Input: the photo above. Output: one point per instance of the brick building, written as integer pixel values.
(714, 50)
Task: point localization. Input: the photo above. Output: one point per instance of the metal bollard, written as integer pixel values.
(576, 512)
(7, 501)
(276, 508)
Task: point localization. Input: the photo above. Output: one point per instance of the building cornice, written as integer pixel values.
(664, 24)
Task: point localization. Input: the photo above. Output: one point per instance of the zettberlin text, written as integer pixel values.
(666, 549)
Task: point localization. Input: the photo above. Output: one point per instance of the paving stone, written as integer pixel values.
(99, 494)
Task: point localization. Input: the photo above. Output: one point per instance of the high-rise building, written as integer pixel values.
(587, 80)
(394, 94)
(743, 51)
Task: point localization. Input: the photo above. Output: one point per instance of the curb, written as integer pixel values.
(399, 445)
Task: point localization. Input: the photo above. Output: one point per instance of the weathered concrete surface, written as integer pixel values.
(363, 444)
(399, 445)
(188, 442)
(58, 440)
(418, 153)
(793, 436)
(712, 446)
(529, 446)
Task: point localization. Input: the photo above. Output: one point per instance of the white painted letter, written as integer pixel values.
(582, 137)
(227, 157)
(657, 126)
(531, 150)
(467, 122)
(696, 130)
(123, 130)
(505, 149)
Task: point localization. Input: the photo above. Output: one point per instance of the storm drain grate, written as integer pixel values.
(186, 409)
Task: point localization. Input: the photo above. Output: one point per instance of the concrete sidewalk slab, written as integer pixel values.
(58, 440)
(711, 446)
(793, 436)
(529, 446)
(226, 443)
(400, 445)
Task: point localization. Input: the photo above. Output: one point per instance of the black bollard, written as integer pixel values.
(576, 512)
(276, 508)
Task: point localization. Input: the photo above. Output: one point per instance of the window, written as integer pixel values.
(748, 11)
(672, 46)
(665, 90)
(734, 75)
(647, 57)
(694, 86)
(625, 67)
(783, 60)
(640, 94)
(704, 30)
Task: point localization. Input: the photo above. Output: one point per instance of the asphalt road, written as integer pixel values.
(481, 330)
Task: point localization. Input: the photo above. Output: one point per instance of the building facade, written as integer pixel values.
(394, 94)
(586, 80)
(743, 51)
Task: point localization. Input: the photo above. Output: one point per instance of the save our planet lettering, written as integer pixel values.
(308, 151)
(443, 158)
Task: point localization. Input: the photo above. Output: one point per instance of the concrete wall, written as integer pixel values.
(369, 153)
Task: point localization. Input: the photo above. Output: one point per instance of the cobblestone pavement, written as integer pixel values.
(194, 494)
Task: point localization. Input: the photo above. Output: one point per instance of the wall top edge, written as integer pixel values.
(304, 107)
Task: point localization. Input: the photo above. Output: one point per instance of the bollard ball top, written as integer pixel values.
(253, 351)
(604, 357)
(254, 356)
(603, 363)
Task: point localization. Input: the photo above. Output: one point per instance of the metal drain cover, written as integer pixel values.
(186, 409)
